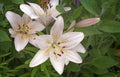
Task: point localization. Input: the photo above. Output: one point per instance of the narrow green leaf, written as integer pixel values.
(110, 26)
(34, 71)
(18, 1)
(110, 74)
(90, 6)
(6, 54)
(76, 13)
(88, 30)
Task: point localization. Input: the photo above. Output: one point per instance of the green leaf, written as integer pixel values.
(34, 71)
(97, 70)
(109, 75)
(6, 54)
(73, 67)
(110, 26)
(88, 31)
(76, 13)
(90, 6)
(60, 8)
(86, 72)
(5, 46)
(18, 1)
(3, 36)
(103, 62)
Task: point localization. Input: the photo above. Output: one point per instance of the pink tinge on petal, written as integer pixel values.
(87, 22)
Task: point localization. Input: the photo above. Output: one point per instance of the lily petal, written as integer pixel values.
(12, 32)
(80, 48)
(37, 9)
(26, 19)
(28, 10)
(44, 41)
(39, 58)
(14, 19)
(67, 8)
(20, 42)
(54, 2)
(57, 63)
(53, 11)
(71, 39)
(35, 26)
(73, 56)
(34, 40)
(57, 29)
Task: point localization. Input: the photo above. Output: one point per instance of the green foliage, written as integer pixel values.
(103, 62)
(102, 41)
(90, 6)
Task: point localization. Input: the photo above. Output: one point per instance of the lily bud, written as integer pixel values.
(87, 22)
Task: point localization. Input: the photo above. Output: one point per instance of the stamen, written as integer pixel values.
(62, 52)
(59, 54)
(34, 38)
(58, 43)
(54, 53)
(63, 47)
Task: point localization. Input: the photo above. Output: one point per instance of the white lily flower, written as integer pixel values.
(44, 15)
(23, 29)
(59, 47)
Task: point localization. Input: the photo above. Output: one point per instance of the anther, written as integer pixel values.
(58, 43)
(59, 54)
(63, 46)
(62, 52)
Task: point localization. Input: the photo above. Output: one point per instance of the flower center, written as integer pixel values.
(58, 50)
(23, 29)
(43, 3)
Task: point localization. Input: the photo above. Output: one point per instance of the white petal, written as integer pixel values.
(34, 40)
(53, 11)
(28, 10)
(39, 58)
(46, 20)
(12, 32)
(26, 19)
(54, 2)
(37, 9)
(20, 42)
(14, 19)
(79, 48)
(67, 8)
(57, 63)
(66, 61)
(73, 56)
(44, 41)
(57, 28)
(71, 39)
(35, 26)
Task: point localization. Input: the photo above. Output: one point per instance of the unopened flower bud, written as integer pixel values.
(87, 22)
